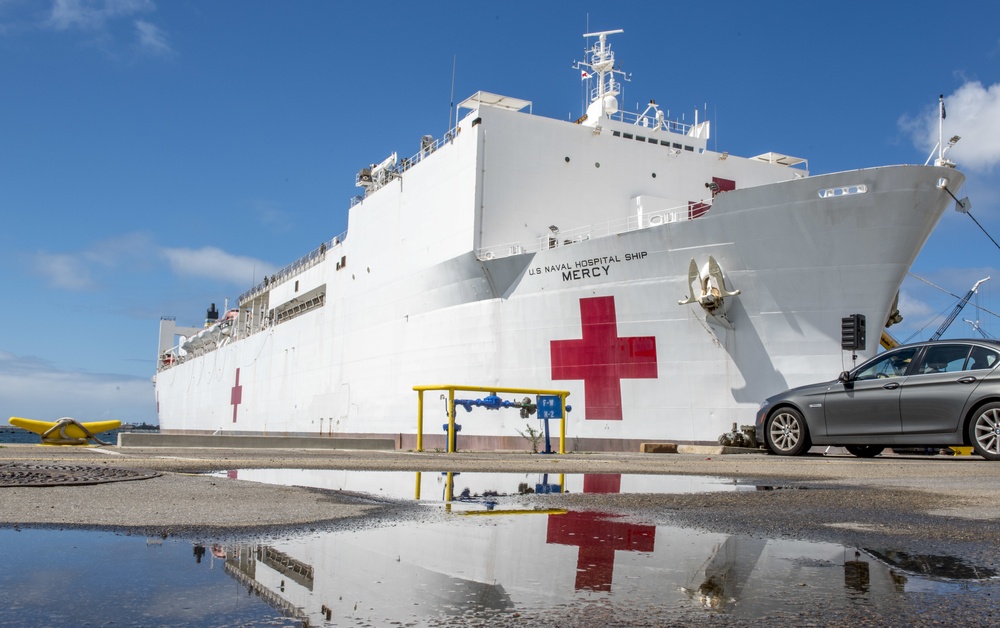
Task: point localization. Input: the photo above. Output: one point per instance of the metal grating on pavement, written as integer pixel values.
(24, 474)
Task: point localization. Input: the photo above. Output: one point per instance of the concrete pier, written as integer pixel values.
(135, 439)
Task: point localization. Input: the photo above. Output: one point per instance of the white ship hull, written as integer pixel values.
(441, 280)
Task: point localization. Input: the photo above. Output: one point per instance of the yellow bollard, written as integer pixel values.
(451, 422)
(420, 424)
(562, 426)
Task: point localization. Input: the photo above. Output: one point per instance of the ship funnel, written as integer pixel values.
(211, 316)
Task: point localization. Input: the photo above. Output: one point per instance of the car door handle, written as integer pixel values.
(891, 386)
(968, 379)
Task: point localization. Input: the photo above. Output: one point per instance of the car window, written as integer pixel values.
(982, 358)
(893, 364)
(943, 358)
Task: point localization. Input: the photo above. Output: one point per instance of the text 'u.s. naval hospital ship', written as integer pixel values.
(670, 288)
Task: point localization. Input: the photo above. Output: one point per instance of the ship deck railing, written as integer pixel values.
(556, 239)
(580, 234)
(650, 122)
(305, 262)
(383, 177)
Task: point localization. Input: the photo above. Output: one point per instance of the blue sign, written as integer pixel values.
(549, 407)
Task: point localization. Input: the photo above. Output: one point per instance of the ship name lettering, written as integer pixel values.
(587, 268)
(586, 273)
(597, 261)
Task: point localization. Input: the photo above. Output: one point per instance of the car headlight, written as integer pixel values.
(764, 404)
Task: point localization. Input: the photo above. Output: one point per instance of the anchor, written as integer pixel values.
(709, 289)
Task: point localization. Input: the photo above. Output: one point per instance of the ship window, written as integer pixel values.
(616, 133)
(652, 140)
(847, 190)
(627, 136)
(690, 148)
(676, 145)
(640, 138)
(665, 143)
(296, 286)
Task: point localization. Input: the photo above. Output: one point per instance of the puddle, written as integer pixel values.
(78, 578)
(451, 567)
(434, 487)
(509, 564)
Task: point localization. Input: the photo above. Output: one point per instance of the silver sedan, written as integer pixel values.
(930, 394)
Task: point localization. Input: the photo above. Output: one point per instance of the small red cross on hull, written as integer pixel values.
(602, 359)
(237, 395)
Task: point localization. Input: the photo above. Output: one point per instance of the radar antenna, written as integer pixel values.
(603, 98)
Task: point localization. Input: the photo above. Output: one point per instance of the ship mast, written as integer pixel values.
(603, 99)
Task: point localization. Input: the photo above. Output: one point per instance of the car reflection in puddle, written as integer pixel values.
(508, 562)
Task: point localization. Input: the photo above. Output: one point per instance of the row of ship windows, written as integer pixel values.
(651, 140)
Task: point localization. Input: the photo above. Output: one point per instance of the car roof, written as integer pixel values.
(983, 341)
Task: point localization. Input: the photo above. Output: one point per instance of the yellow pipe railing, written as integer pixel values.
(451, 388)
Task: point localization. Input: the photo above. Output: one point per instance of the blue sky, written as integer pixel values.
(158, 156)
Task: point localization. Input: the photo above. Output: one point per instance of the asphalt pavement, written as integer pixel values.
(927, 505)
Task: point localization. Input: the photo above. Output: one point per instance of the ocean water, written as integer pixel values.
(17, 435)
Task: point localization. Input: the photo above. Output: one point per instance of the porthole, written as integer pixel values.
(567, 160)
(654, 175)
(597, 164)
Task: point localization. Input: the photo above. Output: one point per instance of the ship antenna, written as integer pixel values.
(942, 149)
(451, 108)
(602, 62)
(941, 116)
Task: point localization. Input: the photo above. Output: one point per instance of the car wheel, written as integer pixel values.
(786, 433)
(984, 431)
(864, 451)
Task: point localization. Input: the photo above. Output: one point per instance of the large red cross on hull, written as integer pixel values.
(602, 359)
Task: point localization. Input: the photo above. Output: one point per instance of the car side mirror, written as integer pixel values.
(845, 377)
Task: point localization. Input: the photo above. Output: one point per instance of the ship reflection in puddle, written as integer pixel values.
(486, 567)
(511, 562)
(461, 487)
(542, 560)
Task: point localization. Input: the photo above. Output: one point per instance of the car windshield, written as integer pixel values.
(892, 364)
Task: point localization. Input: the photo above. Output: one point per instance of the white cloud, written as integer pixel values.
(914, 310)
(34, 389)
(102, 18)
(215, 263)
(127, 248)
(75, 270)
(63, 271)
(80, 270)
(93, 15)
(973, 112)
(152, 38)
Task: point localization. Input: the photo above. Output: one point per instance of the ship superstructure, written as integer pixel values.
(668, 286)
